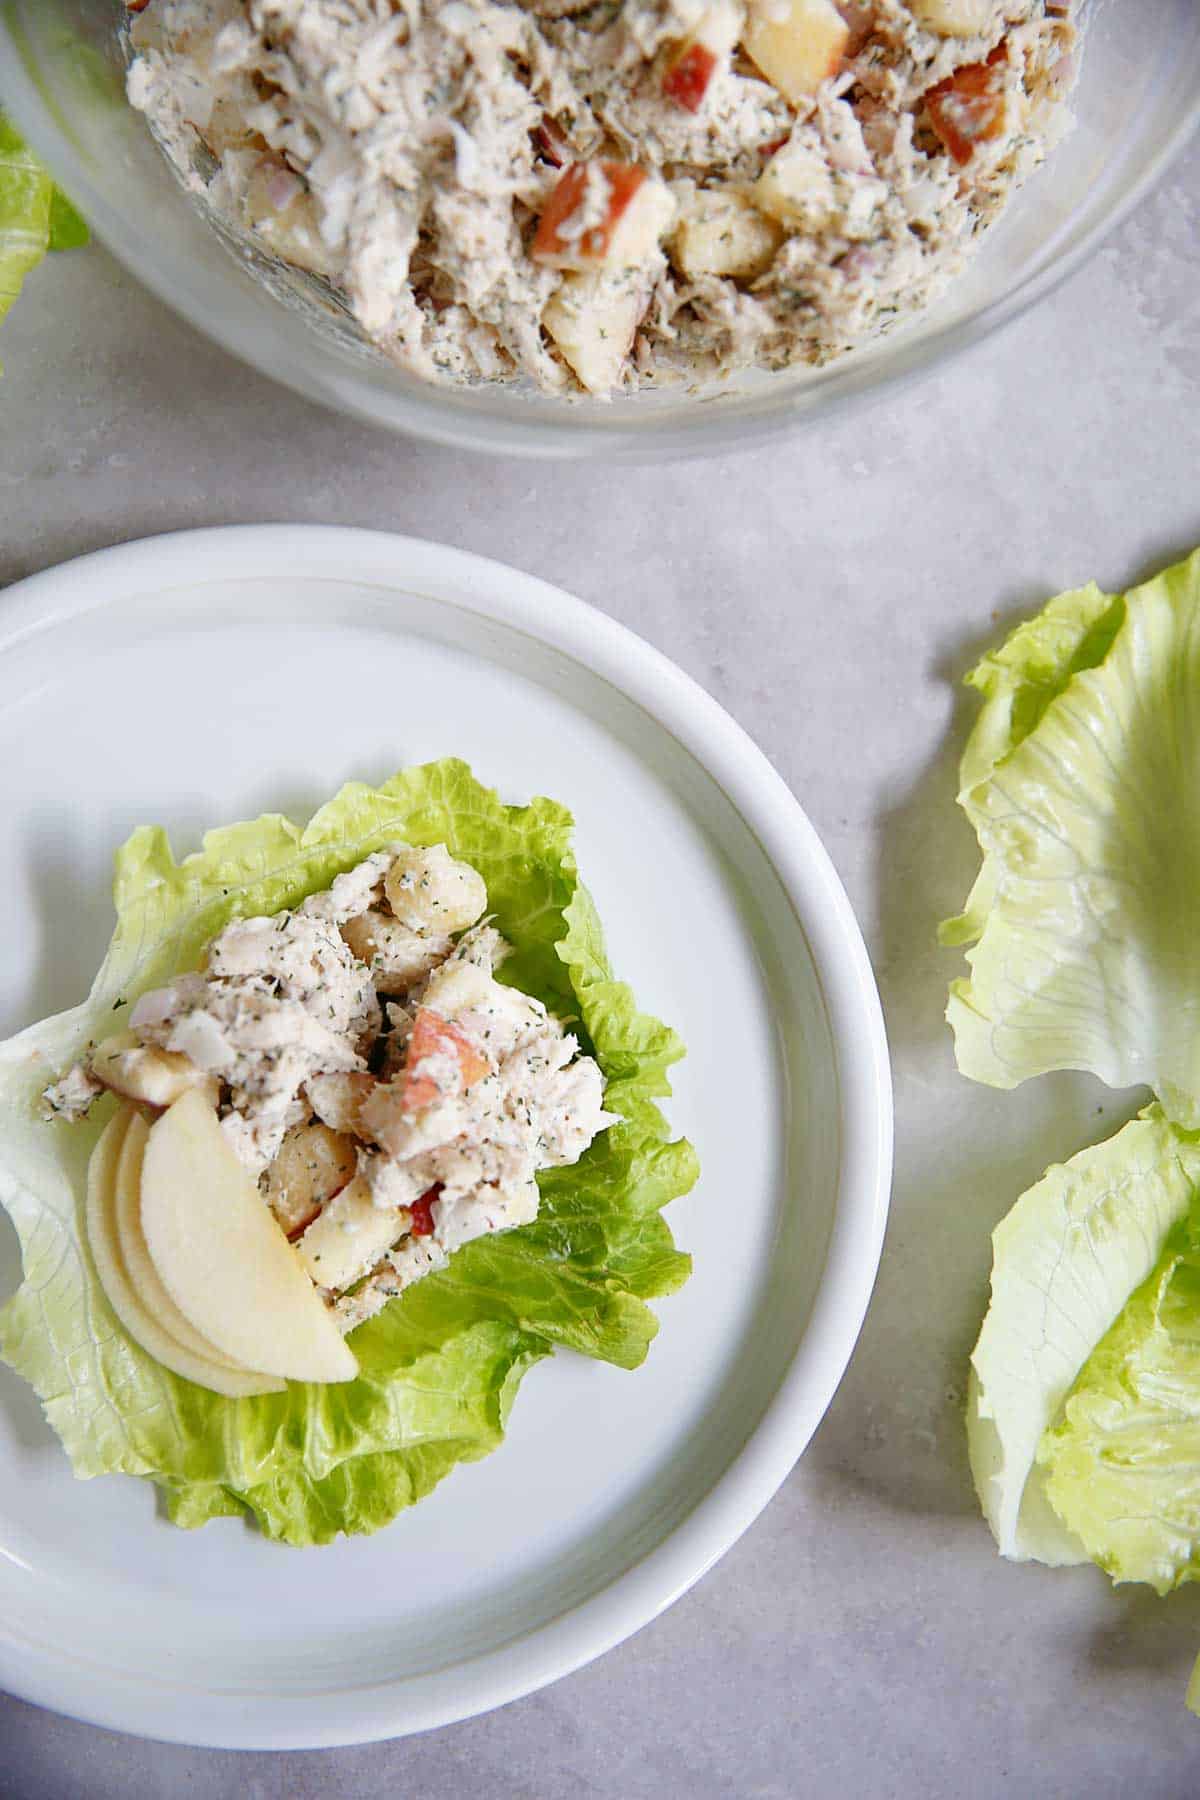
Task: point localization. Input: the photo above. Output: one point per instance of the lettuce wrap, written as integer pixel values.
(439, 1366)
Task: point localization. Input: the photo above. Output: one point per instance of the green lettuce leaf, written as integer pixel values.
(34, 216)
(1122, 1466)
(68, 228)
(441, 1365)
(1068, 1260)
(1080, 781)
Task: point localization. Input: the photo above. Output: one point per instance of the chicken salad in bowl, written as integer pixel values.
(599, 198)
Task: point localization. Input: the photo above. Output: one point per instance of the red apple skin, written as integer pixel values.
(551, 144)
(298, 1231)
(968, 107)
(624, 180)
(434, 1036)
(688, 75)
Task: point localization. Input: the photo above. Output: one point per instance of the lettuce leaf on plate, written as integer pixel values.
(34, 215)
(441, 1365)
(1067, 1261)
(1081, 780)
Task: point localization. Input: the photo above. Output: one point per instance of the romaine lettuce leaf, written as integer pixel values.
(1066, 1261)
(34, 216)
(441, 1365)
(1081, 782)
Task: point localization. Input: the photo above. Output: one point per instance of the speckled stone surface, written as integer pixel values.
(863, 1638)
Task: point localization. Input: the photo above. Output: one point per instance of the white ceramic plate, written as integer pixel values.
(211, 675)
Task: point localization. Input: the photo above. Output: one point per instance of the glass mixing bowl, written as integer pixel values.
(61, 76)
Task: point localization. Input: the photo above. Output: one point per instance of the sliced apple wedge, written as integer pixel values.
(143, 1276)
(124, 1298)
(223, 1258)
(144, 1072)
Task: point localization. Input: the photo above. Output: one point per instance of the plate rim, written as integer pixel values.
(498, 592)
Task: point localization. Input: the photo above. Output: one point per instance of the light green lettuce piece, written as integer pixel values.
(34, 216)
(1066, 1261)
(1122, 1466)
(441, 1365)
(1081, 782)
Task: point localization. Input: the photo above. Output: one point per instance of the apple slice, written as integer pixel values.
(142, 1274)
(143, 1072)
(223, 1258)
(350, 1236)
(797, 44)
(600, 215)
(105, 1243)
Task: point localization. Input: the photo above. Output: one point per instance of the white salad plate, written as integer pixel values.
(209, 676)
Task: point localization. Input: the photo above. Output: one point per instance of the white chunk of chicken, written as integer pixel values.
(396, 956)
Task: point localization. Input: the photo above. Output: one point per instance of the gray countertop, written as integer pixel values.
(863, 1637)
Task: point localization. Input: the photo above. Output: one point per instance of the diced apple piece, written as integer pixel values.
(796, 187)
(968, 107)
(955, 18)
(350, 1236)
(594, 321)
(224, 1260)
(440, 1064)
(433, 893)
(693, 63)
(688, 75)
(460, 987)
(797, 44)
(337, 1096)
(143, 1072)
(602, 215)
(441, 1060)
(722, 232)
(312, 1165)
(120, 1284)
